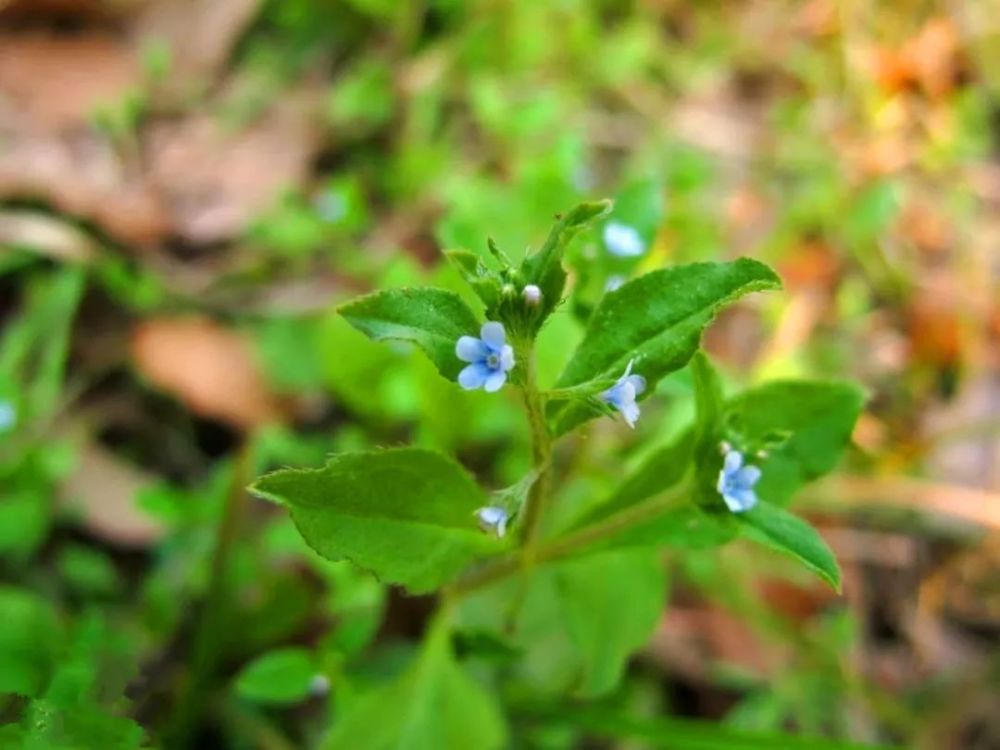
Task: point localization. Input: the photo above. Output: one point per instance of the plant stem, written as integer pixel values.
(570, 544)
(210, 627)
(541, 453)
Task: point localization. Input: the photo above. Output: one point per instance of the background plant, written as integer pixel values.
(190, 191)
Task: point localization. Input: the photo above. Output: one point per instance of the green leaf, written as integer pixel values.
(281, 676)
(576, 622)
(813, 421)
(477, 275)
(406, 514)
(790, 535)
(28, 641)
(434, 704)
(433, 319)
(680, 524)
(709, 414)
(661, 470)
(656, 320)
(545, 268)
(612, 602)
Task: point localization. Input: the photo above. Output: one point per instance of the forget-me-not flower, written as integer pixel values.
(493, 519)
(490, 356)
(736, 482)
(622, 394)
(623, 240)
(8, 416)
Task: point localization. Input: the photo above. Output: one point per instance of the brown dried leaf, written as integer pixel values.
(200, 35)
(46, 235)
(211, 369)
(102, 491)
(57, 82)
(215, 180)
(79, 174)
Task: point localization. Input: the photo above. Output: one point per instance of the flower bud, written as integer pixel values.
(532, 295)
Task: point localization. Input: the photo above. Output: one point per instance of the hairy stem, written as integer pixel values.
(541, 453)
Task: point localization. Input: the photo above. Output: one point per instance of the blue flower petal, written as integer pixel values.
(733, 461)
(638, 383)
(473, 376)
(739, 501)
(494, 381)
(747, 477)
(493, 335)
(471, 349)
(630, 412)
(507, 358)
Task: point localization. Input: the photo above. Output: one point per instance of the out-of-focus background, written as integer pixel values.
(188, 187)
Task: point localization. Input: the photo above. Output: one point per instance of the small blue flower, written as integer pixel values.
(490, 356)
(623, 240)
(736, 482)
(8, 416)
(493, 520)
(622, 394)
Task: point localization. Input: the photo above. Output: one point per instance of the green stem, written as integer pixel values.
(541, 453)
(570, 544)
(207, 640)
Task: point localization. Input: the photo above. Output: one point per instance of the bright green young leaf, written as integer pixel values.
(282, 676)
(577, 621)
(433, 319)
(545, 268)
(778, 529)
(83, 705)
(406, 514)
(655, 320)
(434, 704)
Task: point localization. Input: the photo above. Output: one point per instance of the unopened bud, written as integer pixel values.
(532, 295)
(319, 685)
(508, 291)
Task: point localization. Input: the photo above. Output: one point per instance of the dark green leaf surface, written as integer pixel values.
(435, 704)
(656, 320)
(406, 514)
(433, 319)
(282, 676)
(790, 535)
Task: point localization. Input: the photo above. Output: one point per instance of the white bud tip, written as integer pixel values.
(532, 294)
(320, 685)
